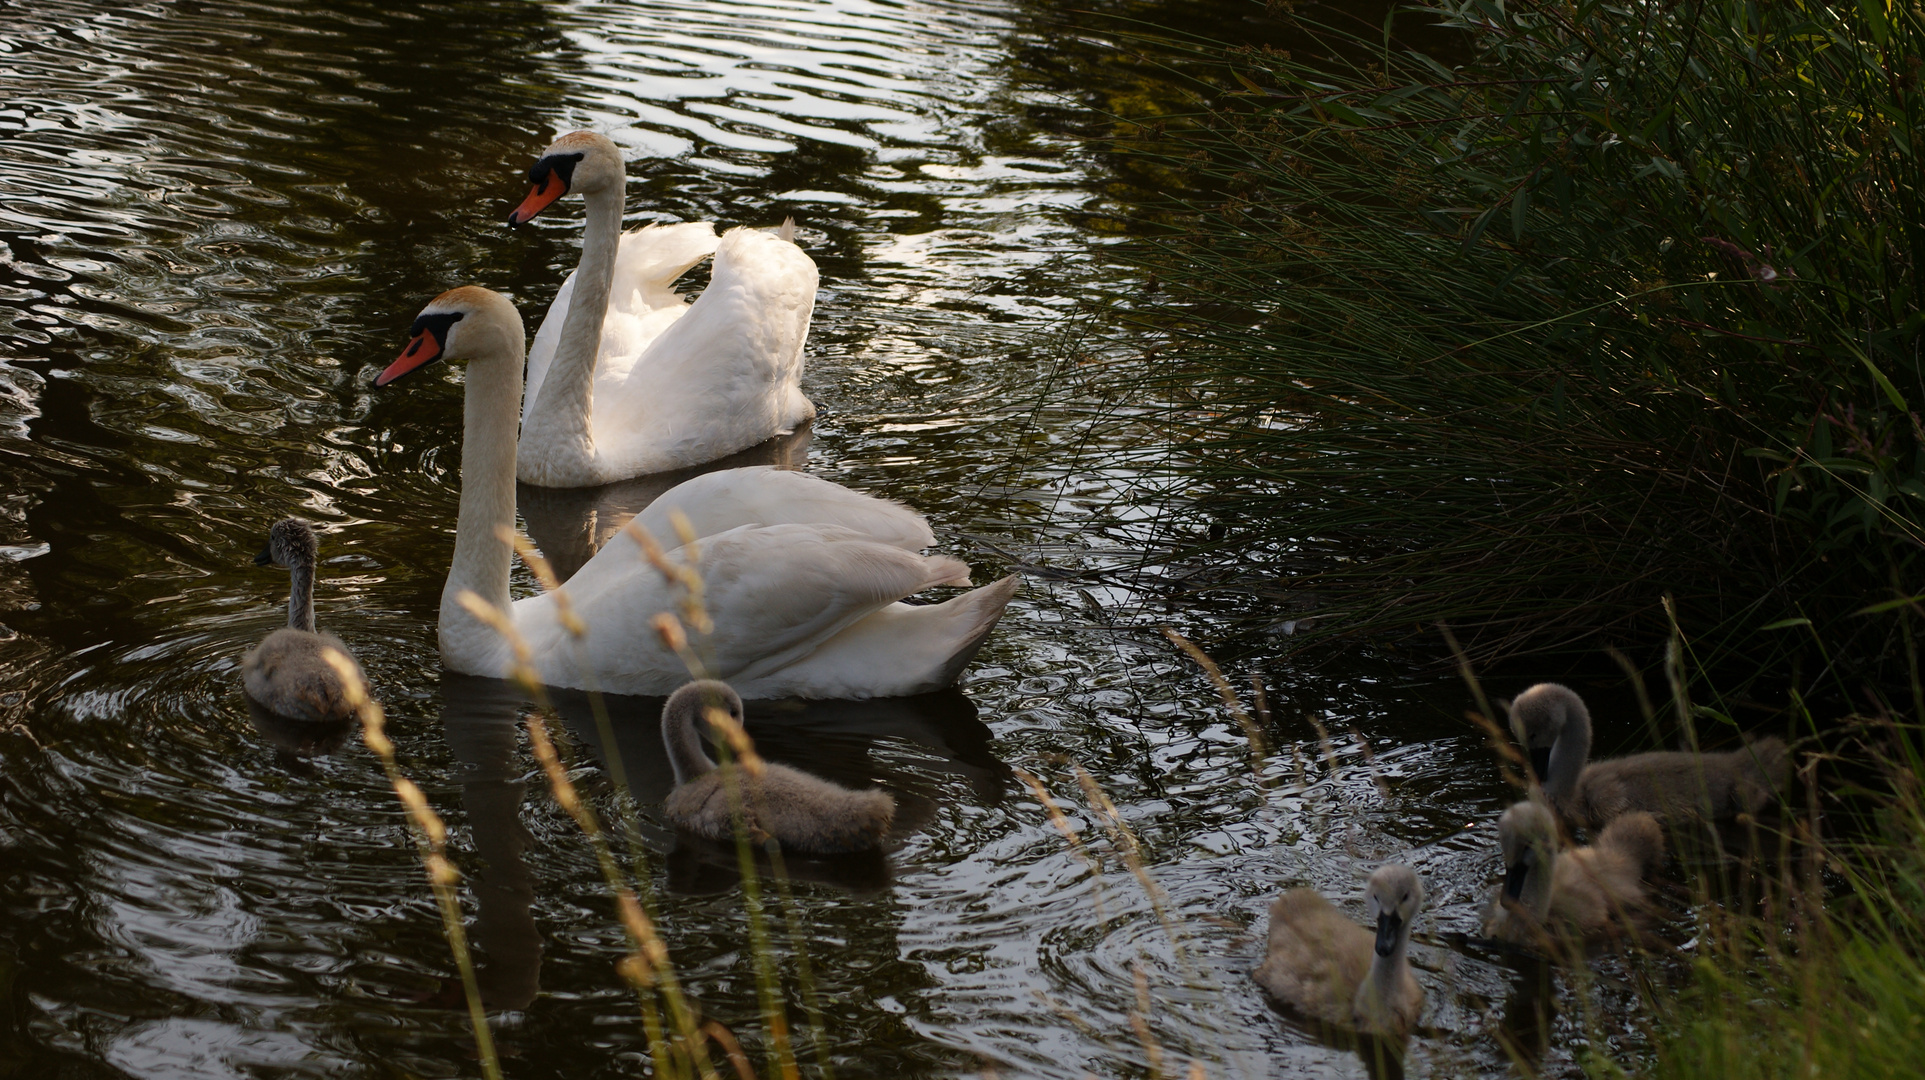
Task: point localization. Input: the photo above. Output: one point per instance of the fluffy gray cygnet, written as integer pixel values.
(1674, 786)
(1335, 971)
(1590, 892)
(801, 812)
(286, 673)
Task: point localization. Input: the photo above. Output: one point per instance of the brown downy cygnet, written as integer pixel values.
(1555, 728)
(286, 673)
(1590, 891)
(1337, 972)
(801, 812)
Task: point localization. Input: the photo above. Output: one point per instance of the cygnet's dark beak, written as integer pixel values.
(1514, 878)
(1540, 762)
(266, 557)
(1388, 924)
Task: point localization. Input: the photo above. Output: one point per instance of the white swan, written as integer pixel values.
(624, 378)
(801, 608)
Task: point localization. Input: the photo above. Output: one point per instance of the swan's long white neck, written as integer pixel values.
(482, 556)
(300, 596)
(685, 751)
(563, 407)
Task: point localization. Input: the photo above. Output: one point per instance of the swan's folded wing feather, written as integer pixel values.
(642, 301)
(775, 594)
(650, 258)
(778, 592)
(763, 495)
(726, 370)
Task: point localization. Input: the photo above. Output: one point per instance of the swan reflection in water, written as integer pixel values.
(570, 525)
(295, 740)
(837, 740)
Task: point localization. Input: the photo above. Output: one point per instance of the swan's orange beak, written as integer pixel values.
(422, 349)
(550, 188)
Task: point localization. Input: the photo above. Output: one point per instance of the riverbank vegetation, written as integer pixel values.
(1610, 336)
(1626, 307)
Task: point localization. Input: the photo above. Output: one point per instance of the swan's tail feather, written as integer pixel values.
(953, 571)
(900, 649)
(787, 231)
(986, 606)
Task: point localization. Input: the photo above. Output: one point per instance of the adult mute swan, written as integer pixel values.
(1335, 971)
(286, 674)
(624, 377)
(801, 608)
(801, 812)
(1550, 720)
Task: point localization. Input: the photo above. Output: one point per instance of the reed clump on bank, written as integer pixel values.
(1628, 305)
(1816, 970)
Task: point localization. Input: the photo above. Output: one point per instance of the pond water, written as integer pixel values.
(220, 218)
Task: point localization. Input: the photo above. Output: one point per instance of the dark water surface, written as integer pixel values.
(220, 218)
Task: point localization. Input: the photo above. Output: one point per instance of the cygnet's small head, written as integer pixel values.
(460, 325)
(693, 701)
(1392, 899)
(1538, 717)
(580, 161)
(290, 543)
(1528, 836)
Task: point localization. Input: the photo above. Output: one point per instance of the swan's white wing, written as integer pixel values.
(775, 594)
(900, 649)
(642, 301)
(652, 257)
(724, 376)
(762, 495)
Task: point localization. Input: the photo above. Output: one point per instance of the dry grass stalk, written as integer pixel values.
(1124, 839)
(685, 573)
(731, 1049)
(1075, 839)
(431, 838)
(647, 967)
(1370, 763)
(1328, 747)
(1140, 1020)
(1131, 848)
(1258, 753)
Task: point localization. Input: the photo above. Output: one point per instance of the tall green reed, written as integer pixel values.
(1814, 969)
(1627, 305)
